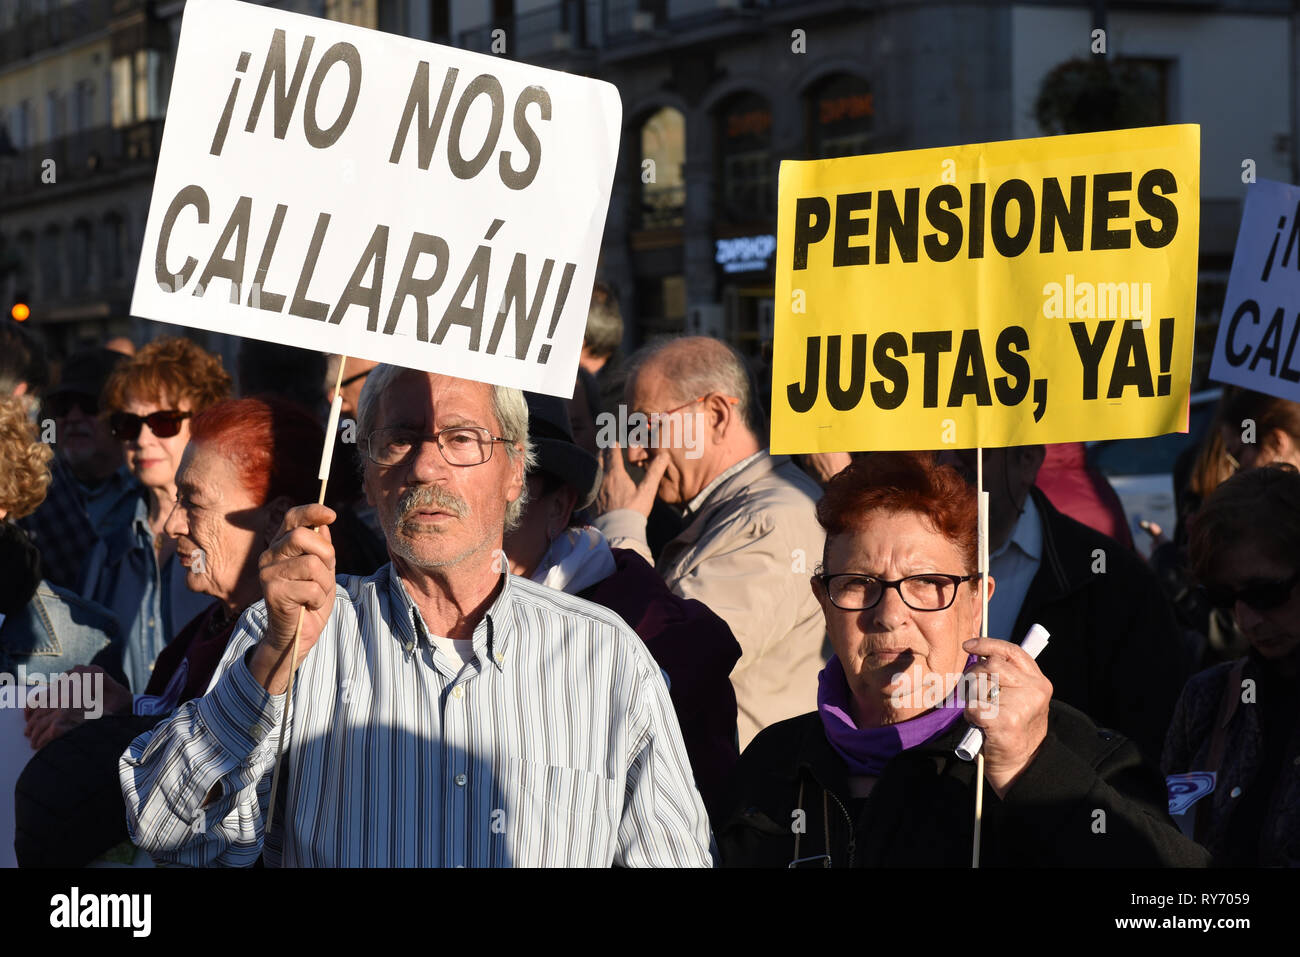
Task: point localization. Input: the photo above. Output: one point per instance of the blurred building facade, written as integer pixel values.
(715, 94)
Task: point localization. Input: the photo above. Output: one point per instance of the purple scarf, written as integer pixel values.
(868, 750)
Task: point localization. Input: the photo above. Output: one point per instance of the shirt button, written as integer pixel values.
(458, 692)
(256, 730)
(1235, 792)
(501, 656)
(460, 780)
(408, 647)
(150, 622)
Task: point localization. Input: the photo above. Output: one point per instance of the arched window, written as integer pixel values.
(661, 170)
(743, 148)
(840, 116)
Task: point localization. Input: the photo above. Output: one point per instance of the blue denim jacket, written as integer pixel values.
(56, 631)
(123, 575)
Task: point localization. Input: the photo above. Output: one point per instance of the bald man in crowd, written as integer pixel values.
(751, 534)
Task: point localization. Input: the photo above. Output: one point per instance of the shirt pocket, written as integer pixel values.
(559, 817)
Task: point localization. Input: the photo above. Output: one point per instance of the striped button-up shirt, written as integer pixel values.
(556, 746)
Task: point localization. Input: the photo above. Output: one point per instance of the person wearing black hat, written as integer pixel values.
(692, 646)
(91, 492)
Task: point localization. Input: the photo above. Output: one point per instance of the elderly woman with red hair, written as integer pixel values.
(871, 777)
(247, 462)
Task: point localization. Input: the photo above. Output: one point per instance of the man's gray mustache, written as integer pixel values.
(430, 496)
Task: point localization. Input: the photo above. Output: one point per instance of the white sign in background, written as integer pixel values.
(345, 190)
(1259, 332)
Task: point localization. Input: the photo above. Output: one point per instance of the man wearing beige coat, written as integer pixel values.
(751, 535)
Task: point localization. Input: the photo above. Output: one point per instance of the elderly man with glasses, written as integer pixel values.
(444, 712)
(751, 532)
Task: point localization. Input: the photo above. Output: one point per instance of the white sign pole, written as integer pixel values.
(326, 457)
(982, 497)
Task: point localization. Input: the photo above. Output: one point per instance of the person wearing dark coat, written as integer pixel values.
(871, 777)
(693, 647)
(1240, 720)
(1117, 652)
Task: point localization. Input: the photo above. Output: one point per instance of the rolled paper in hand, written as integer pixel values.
(973, 740)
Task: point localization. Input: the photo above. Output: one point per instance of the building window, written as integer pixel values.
(51, 263)
(359, 13)
(660, 172)
(79, 262)
(746, 188)
(137, 88)
(27, 259)
(1151, 78)
(22, 125)
(123, 103)
(113, 244)
(55, 119)
(1087, 95)
(440, 21)
(83, 106)
(840, 114)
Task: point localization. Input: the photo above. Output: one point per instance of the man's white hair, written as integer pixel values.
(508, 405)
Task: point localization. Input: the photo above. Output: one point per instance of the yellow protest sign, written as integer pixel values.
(1011, 293)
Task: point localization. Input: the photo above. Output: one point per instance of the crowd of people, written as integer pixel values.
(508, 639)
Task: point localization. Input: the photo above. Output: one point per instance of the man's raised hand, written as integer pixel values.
(297, 573)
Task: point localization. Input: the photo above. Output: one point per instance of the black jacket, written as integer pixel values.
(1088, 799)
(1116, 651)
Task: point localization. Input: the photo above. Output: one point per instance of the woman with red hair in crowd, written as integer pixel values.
(871, 778)
(248, 461)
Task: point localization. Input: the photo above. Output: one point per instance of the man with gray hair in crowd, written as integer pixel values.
(444, 713)
(751, 533)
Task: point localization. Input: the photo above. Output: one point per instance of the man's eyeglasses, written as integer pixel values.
(164, 424)
(655, 418)
(932, 592)
(463, 445)
(1261, 596)
(61, 403)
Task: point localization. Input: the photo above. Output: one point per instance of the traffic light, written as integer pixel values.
(20, 311)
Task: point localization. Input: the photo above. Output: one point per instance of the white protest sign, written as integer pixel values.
(346, 190)
(1258, 332)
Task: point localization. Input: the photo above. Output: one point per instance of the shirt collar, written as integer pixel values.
(696, 503)
(121, 480)
(1028, 533)
(491, 635)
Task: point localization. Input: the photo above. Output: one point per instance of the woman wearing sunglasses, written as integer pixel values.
(150, 400)
(1241, 720)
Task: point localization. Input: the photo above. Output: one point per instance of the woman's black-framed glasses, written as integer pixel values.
(462, 445)
(164, 423)
(850, 591)
(1261, 596)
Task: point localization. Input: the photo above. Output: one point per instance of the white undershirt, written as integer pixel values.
(457, 649)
